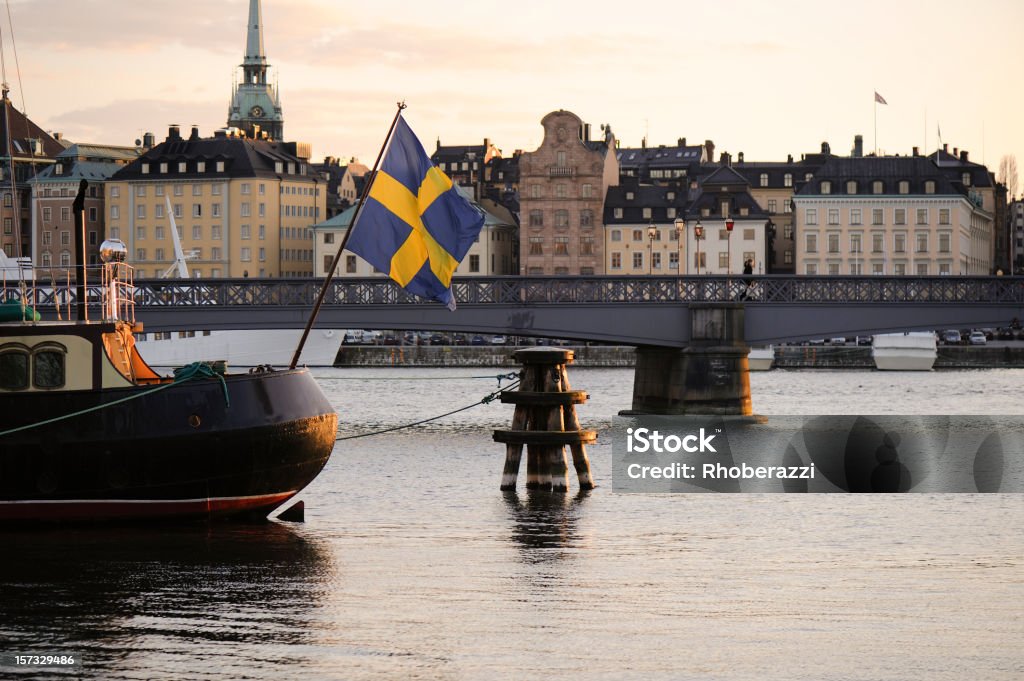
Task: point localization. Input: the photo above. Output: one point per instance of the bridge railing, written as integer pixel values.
(765, 289)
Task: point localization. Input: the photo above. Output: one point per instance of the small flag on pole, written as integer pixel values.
(880, 99)
(415, 225)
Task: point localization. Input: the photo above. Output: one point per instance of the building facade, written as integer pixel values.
(54, 191)
(893, 215)
(242, 207)
(562, 187)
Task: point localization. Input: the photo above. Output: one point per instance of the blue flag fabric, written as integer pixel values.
(415, 225)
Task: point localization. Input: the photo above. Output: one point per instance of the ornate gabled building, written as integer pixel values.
(29, 151)
(255, 106)
(562, 186)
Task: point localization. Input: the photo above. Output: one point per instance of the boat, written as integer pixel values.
(90, 432)
(761, 358)
(910, 351)
(239, 347)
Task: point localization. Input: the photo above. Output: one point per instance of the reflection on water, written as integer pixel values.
(544, 520)
(133, 599)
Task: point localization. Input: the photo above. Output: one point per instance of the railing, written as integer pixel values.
(519, 291)
(560, 171)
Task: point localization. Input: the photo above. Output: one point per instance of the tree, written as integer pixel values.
(1008, 174)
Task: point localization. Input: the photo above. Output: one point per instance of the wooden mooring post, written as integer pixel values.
(545, 421)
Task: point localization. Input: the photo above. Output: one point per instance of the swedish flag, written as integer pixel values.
(415, 225)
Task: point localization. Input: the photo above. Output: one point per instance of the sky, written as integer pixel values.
(765, 78)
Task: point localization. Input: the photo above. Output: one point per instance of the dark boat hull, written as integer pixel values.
(176, 453)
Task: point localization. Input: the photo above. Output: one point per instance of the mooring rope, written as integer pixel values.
(181, 375)
(490, 397)
(500, 377)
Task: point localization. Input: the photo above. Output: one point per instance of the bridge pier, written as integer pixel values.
(710, 376)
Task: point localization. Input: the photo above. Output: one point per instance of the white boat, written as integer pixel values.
(761, 359)
(911, 351)
(239, 348)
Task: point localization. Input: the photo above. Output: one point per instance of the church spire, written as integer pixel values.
(255, 102)
(254, 35)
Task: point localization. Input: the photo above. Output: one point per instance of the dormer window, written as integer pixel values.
(904, 187)
(182, 167)
(877, 187)
(787, 180)
(163, 168)
(929, 187)
(851, 186)
(220, 166)
(967, 179)
(145, 169)
(629, 196)
(200, 166)
(764, 179)
(826, 187)
(58, 169)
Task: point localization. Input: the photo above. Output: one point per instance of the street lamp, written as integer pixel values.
(698, 234)
(680, 224)
(729, 224)
(652, 234)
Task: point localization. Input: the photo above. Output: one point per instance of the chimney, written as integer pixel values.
(682, 141)
(963, 155)
(438, 144)
(487, 145)
(149, 140)
(726, 159)
(58, 136)
(917, 152)
(173, 132)
(825, 148)
(956, 152)
(222, 132)
(195, 133)
(586, 132)
(643, 142)
(789, 158)
(945, 147)
(858, 146)
(739, 159)
(710, 146)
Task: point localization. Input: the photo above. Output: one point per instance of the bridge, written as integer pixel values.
(643, 311)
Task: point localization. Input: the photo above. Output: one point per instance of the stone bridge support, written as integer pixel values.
(710, 376)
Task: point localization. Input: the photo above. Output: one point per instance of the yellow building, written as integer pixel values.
(242, 207)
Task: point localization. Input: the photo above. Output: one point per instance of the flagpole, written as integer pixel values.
(875, 99)
(344, 240)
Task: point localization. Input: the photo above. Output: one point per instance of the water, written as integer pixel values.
(413, 565)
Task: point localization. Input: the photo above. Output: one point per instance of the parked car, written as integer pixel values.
(977, 338)
(477, 340)
(498, 340)
(951, 337)
(838, 340)
(460, 339)
(438, 339)
(816, 341)
(864, 340)
(1005, 333)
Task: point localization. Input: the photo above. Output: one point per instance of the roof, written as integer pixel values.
(242, 157)
(22, 131)
(890, 170)
(94, 171)
(90, 152)
(660, 157)
(725, 175)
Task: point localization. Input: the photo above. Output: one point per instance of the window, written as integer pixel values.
(197, 190)
(140, 232)
(899, 269)
(812, 216)
(904, 187)
(876, 268)
(47, 213)
(179, 190)
(826, 187)
(944, 243)
(197, 210)
(247, 232)
(810, 268)
(943, 216)
(262, 232)
(811, 241)
(877, 187)
(855, 243)
(617, 212)
(159, 254)
(787, 256)
(220, 166)
(787, 180)
(197, 233)
(474, 263)
(536, 245)
(92, 214)
(922, 269)
(638, 260)
(787, 232)
(263, 210)
(638, 235)
(772, 203)
(215, 210)
(13, 368)
(586, 218)
(216, 253)
(673, 260)
(587, 191)
(646, 213)
(833, 216)
(586, 245)
(246, 254)
(159, 232)
(561, 219)
(350, 263)
(855, 218)
(65, 259)
(700, 260)
(787, 206)
(922, 242)
(140, 211)
(966, 177)
(65, 238)
(899, 242)
(833, 242)
(764, 179)
(877, 243)
(748, 234)
(723, 261)
(158, 211)
(929, 187)
(140, 254)
(656, 260)
(922, 216)
(851, 186)
(877, 216)
(246, 189)
(329, 238)
(833, 268)
(616, 261)
(535, 191)
(561, 245)
(536, 218)
(263, 255)
(900, 216)
(115, 192)
(616, 235)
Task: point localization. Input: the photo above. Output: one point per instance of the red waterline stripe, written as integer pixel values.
(108, 509)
